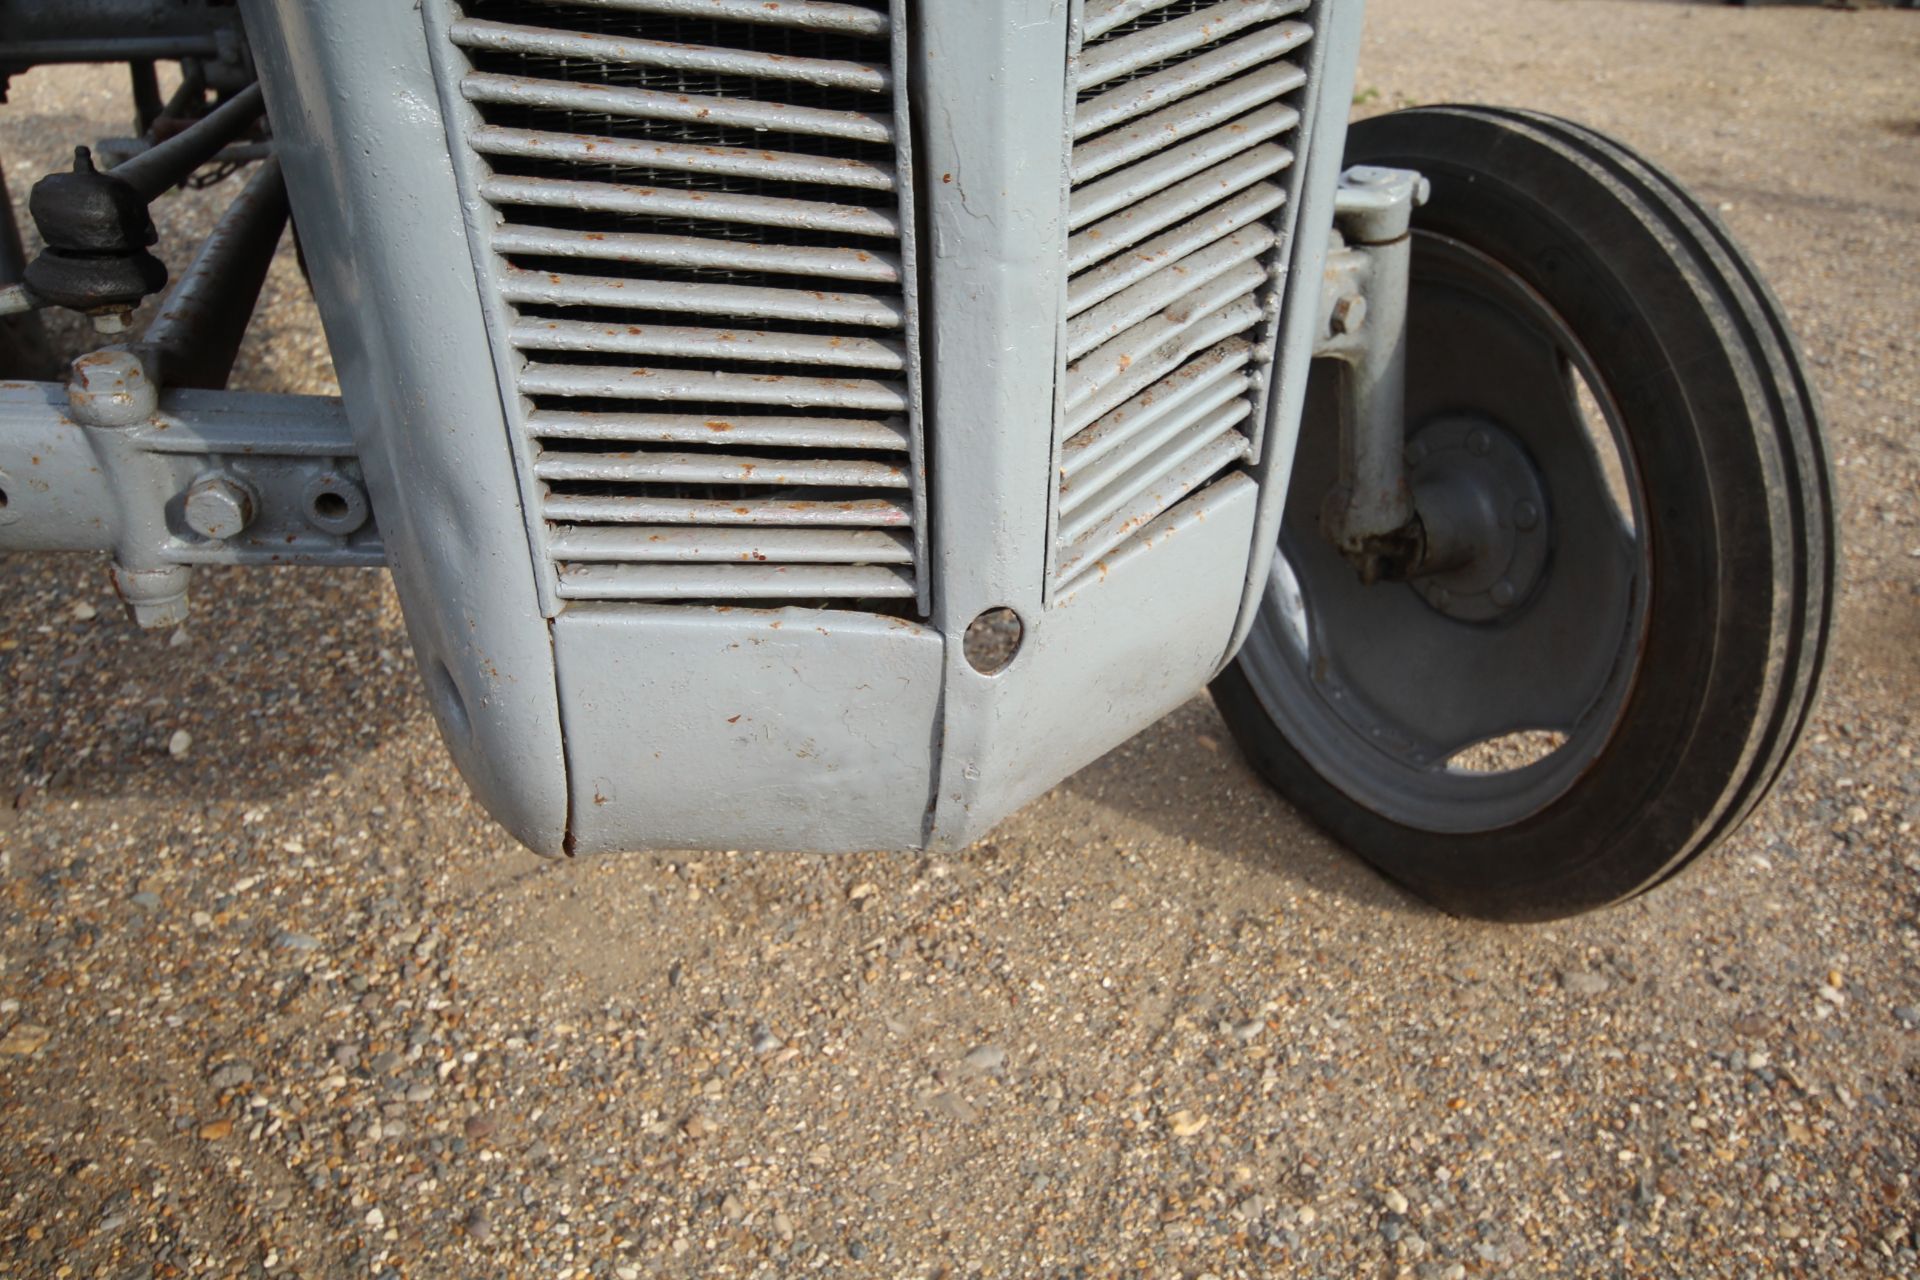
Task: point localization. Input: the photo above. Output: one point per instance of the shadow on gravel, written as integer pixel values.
(278, 678)
(1185, 779)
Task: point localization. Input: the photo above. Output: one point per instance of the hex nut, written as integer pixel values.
(110, 388)
(218, 507)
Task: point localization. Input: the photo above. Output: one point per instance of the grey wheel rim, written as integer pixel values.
(1381, 688)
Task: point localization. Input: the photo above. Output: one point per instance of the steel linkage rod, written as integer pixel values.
(166, 165)
(196, 334)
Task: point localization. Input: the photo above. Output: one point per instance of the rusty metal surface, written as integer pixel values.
(734, 582)
(813, 15)
(694, 252)
(1178, 205)
(164, 166)
(503, 37)
(770, 209)
(195, 336)
(104, 464)
(652, 104)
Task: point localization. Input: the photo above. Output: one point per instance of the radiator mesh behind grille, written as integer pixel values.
(1178, 177)
(704, 246)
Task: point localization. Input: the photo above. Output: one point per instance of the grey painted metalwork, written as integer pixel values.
(359, 132)
(195, 335)
(115, 463)
(1370, 514)
(1331, 68)
(558, 328)
(671, 373)
(1370, 717)
(161, 168)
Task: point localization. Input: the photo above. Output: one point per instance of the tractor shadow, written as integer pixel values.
(1185, 779)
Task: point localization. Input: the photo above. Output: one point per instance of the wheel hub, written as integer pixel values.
(1484, 514)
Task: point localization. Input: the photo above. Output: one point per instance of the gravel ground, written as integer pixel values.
(276, 999)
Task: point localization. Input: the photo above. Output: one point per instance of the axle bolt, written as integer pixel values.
(1525, 516)
(218, 508)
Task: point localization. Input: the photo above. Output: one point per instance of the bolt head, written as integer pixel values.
(110, 389)
(1440, 597)
(1479, 443)
(1526, 516)
(1502, 593)
(218, 508)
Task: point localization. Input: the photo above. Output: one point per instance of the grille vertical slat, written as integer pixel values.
(706, 255)
(1177, 183)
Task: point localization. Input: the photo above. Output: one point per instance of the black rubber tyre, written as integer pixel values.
(1723, 429)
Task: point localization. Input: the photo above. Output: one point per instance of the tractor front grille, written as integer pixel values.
(1178, 182)
(703, 241)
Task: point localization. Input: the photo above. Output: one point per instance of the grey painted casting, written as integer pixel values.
(697, 429)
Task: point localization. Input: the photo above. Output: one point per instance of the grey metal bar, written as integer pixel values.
(789, 391)
(701, 428)
(829, 350)
(732, 582)
(681, 543)
(1150, 92)
(523, 286)
(503, 37)
(720, 468)
(1181, 201)
(1090, 288)
(1197, 379)
(108, 49)
(197, 332)
(816, 15)
(163, 167)
(1164, 288)
(1122, 55)
(695, 252)
(495, 140)
(672, 202)
(654, 104)
(103, 465)
(864, 513)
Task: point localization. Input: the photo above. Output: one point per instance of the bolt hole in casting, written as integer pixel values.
(992, 640)
(336, 505)
(1607, 636)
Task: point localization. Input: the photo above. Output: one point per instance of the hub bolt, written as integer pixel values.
(1525, 516)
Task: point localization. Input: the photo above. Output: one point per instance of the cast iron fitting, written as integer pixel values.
(97, 230)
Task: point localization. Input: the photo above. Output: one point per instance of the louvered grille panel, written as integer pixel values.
(1180, 167)
(704, 247)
